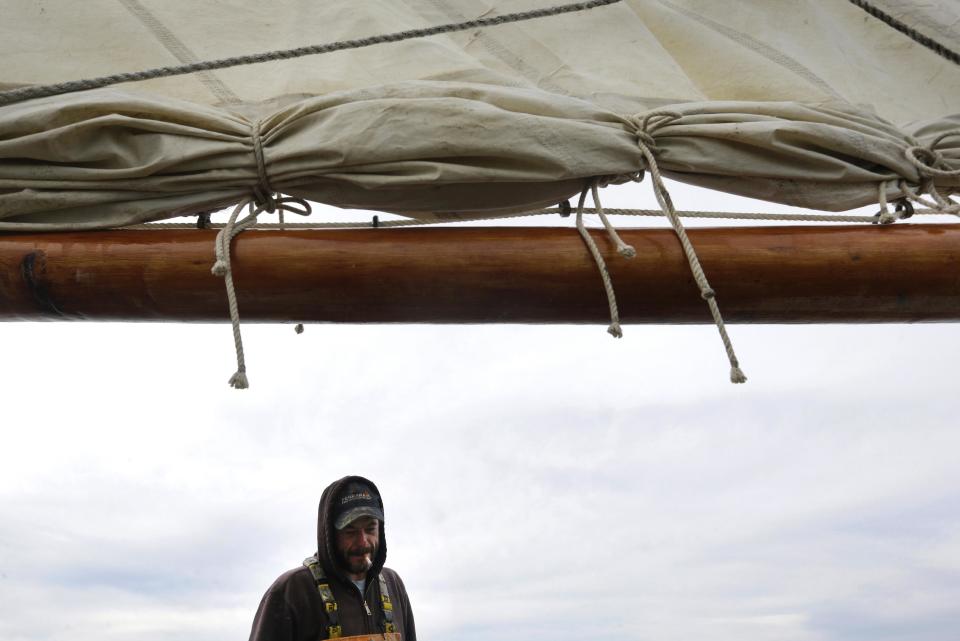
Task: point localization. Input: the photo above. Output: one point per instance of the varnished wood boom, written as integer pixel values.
(895, 273)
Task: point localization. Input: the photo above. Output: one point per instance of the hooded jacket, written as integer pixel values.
(292, 609)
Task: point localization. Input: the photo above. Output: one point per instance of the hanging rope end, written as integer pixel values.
(219, 268)
(737, 375)
(887, 217)
(615, 331)
(298, 328)
(239, 380)
(627, 251)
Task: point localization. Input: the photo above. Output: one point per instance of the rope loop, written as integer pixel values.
(222, 266)
(646, 125)
(926, 160)
(654, 120)
(294, 205)
(929, 162)
(904, 209)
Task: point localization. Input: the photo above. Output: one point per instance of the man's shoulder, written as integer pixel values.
(393, 579)
(294, 579)
(387, 572)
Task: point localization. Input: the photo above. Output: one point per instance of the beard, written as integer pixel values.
(358, 560)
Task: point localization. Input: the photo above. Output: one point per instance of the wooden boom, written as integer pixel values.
(897, 273)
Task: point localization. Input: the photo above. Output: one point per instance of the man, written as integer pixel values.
(343, 591)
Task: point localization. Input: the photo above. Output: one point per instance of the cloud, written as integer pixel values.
(541, 482)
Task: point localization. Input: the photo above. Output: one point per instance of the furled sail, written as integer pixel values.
(818, 104)
(118, 112)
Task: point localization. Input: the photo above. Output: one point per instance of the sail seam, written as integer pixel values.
(179, 49)
(41, 91)
(772, 54)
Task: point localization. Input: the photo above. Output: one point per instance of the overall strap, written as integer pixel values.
(334, 630)
(386, 606)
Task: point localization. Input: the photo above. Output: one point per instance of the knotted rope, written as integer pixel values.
(222, 266)
(623, 249)
(645, 129)
(928, 160)
(904, 209)
(931, 164)
(263, 193)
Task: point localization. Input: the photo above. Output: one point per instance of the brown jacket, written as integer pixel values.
(292, 609)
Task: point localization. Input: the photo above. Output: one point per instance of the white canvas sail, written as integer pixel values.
(819, 104)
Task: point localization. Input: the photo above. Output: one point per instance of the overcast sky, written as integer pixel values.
(540, 482)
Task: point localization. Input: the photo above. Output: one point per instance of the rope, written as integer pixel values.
(623, 249)
(908, 31)
(263, 191)
(222, 267)
(647, 127)
(728, 215)
(885, 216)
(939, 205)
(27, 93)
(927, 159)
(614, 329)
(931, 164)
(551, 211)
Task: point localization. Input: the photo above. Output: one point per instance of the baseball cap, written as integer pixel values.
(356, 500)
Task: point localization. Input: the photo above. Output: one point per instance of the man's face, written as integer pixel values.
(357, 545)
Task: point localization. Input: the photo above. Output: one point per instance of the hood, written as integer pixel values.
(326, 534)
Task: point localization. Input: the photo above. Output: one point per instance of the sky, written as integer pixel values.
(540, 482)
